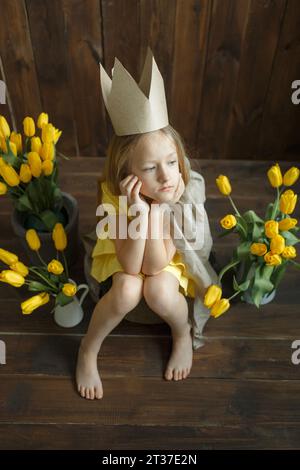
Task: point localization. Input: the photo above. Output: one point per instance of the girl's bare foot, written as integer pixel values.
(89, 384)
(180, 362)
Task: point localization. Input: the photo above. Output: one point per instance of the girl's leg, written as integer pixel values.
(162, 295)
(124, 295)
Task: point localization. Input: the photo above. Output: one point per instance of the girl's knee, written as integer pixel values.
(160, 291)
(126, 291)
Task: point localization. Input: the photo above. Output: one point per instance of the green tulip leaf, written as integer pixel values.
(49, 218)
(252, 217)
(269, 211)
(23, 204)
(290, 238)
(62, 299)
(36, 286)
(262, 284)
(241, 287)
(278, 274)
(243, 250)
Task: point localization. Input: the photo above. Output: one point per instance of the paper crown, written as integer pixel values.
(135, 108)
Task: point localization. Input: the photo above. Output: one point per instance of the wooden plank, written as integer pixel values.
(121, 32)
(190, 47)
(147, 355)
(157, 24)
(226, 34)
(279, 133)
(151, 401)
(83, 22)
(279, 319)
(18, 61)
(95, 437)
(47, 28)
(257, 55)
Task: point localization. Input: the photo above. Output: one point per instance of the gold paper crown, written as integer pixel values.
(135, 108)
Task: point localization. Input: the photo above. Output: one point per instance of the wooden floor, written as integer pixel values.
(243, 391)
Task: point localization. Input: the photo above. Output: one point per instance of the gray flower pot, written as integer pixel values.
(47, 250)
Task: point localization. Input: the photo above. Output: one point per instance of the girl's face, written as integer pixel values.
(154, 161)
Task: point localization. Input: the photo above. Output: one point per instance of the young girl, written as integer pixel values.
(149, 169)
(146, 164)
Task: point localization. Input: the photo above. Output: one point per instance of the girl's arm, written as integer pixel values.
(130, 252)
(158, 252)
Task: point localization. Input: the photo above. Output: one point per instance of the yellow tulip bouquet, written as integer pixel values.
(28, 172)
(266, 247)
(50, 279)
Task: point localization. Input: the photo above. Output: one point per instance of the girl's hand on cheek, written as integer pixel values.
(130, 187)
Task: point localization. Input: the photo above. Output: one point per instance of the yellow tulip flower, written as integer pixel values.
(29, 127)
(290, 177)
(272, 260)
(55, 267)
(20, 268)
(57, 135)
(223, 184)
(228, 222)
(59, 237)
(4, 127)
(213, 294)
(33, 240)
(287, 224)
(3, 145)
(35, 144)
(34, 302)
(7, 257)
(69, 289)
(258, 249)
(47, 151)
(17, 140)
(42, 120)
(288, 201)
(275, 176)
(220, 307)
(13, 148)
(12, 278)
(3, 189)
(47, 167)
(35, 164)
(9, 175)
(271, 228)
(25, 173)
(48, 133)
(289, 252)
(277, 245)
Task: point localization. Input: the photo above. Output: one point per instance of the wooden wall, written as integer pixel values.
(228, 67)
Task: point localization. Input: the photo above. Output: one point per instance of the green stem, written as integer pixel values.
(234, 295)
(275, 206)
(234, 206)
(243, 230)
(41, 259)
(226, 268)
(44, 278)
(66, 265)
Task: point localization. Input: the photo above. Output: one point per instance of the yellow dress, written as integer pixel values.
(105, 262)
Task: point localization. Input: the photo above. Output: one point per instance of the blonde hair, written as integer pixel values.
(118, 156)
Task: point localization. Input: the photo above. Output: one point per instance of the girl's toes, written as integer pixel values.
(176, 374)
(169, 374)
(98, 393)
